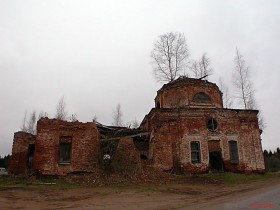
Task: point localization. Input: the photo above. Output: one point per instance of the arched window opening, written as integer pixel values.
(201, 98)
(158, 105)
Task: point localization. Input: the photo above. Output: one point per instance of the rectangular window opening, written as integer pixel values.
(31, 150)
(233, 151)
(195, 152)
(65, 145)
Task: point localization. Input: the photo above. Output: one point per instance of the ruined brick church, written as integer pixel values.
(188, 131)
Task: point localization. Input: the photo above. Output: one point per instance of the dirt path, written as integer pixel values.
(169, 196)
(264, 198)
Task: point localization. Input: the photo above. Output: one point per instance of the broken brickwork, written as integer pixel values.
(126, 159)
(188, 131)
(62, 147)
(181, 92)
(206, 125)
(22, 154)
(175, 130)
(81, 139)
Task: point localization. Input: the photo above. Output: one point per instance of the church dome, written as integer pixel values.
(189, 92)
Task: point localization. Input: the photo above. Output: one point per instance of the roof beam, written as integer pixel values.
(129, 136)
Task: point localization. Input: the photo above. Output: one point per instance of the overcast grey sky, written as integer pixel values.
(96, 55)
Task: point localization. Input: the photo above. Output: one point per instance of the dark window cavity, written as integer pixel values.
(233, 152)
(212, 124)
(144, 157)
(31, 150)
(65, 145)
(158, 105)
(201, 98)
(195, 152)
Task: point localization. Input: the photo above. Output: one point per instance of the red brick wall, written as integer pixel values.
(85, 152)
(126, 158)
(214, 146)
(174, 130)
(181, 93)
(19, 159)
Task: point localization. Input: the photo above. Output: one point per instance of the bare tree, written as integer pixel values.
(245, 91)
(133, 124)
(244, 87)
(227, 99)
(73, 118)
(117, 116)
(31, 124)
(261, 121)
(169, 56)
(252, 104)
(42, 114)
(24, 126)
(61, 113)
(94, 119)
(251, 100)
(202, 68)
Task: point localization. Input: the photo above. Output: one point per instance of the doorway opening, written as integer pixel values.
(216, 162)
(215, 156)
(31, 149)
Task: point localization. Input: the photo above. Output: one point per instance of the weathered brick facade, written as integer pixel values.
(175, 127)
(127, 157)
(22, 156)
(181, 92)
(188, 131)
(84, 142)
